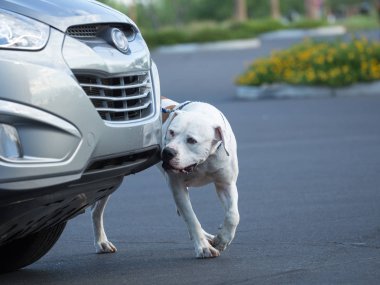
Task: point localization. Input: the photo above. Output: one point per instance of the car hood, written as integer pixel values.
(62, 14)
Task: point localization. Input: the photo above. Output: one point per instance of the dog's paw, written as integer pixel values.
(208, 236)
(220, 243)
(105, 247)
(205, 250)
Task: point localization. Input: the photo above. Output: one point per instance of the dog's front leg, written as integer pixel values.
(102, 244)
(203, 248)
(228, 195)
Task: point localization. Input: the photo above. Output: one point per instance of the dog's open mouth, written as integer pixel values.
(187, 170)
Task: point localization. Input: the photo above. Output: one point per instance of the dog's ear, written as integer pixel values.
(171, 117)
(220, 136)
(167, 123)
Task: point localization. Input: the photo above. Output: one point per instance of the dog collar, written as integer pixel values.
(172, 108)
(181, 106)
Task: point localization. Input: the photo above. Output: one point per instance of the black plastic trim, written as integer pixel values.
(28, 211)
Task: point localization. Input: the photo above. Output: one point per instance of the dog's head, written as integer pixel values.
(189, 140)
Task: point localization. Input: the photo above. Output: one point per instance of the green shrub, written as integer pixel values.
(168, 36)
(317, 63)
(214, 31)
(253, 28)
(210, 35)
(210, 31)
(360, 22)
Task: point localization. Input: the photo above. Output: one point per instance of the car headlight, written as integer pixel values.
(19, 32)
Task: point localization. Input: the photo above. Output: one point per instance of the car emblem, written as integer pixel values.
(119, 40)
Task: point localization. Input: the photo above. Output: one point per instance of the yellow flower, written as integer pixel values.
(334, 72)
(375, 69)
(320, 60)
(303, 63)
(288, 74)
(359, 45)
(304, 55)
(322, 75)
(363, 66)
(330, 58)
(251, 75)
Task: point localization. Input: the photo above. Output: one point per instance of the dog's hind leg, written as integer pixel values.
(228, 195)
(102, 244)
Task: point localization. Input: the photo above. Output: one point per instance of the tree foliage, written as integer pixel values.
(157, 13)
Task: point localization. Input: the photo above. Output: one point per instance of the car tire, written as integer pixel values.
(24, 251)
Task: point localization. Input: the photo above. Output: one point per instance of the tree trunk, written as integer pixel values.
(240, 10)
(275, 9)
(133, 11)
(312, 8)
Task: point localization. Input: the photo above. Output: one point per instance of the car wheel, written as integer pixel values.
(24, 251)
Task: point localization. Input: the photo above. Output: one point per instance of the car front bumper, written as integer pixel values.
(57, 154)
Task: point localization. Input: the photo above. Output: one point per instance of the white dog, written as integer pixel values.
(198, 148)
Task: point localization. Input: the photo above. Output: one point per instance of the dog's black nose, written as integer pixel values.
(168, 153)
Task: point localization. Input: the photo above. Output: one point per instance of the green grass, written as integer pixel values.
(356, 23)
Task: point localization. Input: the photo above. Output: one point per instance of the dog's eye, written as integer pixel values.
(171, 133)
(191, 141)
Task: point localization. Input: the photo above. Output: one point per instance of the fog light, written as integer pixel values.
(10, 146)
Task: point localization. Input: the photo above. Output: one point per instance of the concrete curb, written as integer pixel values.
(305, 33)
(210, 46)
(282, 91)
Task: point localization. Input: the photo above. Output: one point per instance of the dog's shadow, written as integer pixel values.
(144, 267)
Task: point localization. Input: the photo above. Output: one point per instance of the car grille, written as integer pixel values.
(83, 31)
(120, 99)
(94, 31)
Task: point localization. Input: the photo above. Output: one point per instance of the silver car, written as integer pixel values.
(79, 110)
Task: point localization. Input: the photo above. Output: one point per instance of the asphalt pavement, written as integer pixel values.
(309, 195)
